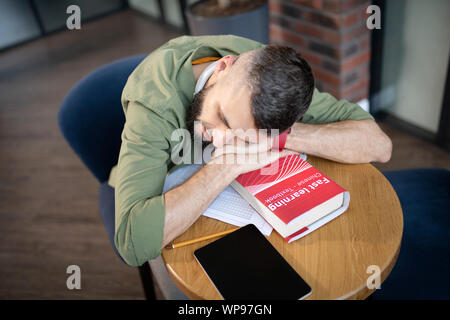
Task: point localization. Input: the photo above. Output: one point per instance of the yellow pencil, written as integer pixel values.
(184, 243)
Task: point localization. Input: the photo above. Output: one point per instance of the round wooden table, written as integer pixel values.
(334, 259)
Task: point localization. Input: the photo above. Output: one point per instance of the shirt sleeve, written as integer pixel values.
(325, 108)
(140, 175)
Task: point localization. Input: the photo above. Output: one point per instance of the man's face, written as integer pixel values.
(226, 112)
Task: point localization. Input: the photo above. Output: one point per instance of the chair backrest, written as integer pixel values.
(91, 117)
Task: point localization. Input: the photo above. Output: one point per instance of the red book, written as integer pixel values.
(293, 196)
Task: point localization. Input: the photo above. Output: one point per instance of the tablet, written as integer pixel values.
(245, 265)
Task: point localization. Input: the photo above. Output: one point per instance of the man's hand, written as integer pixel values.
(185, 204)
(244, 157)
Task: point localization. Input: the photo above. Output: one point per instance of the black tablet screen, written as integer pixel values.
(245, 265)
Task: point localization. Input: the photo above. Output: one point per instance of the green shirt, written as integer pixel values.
(155, 100)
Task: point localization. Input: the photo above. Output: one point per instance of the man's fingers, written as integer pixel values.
(246, 148)
(272, 155)
(258, 160)
(254, 150)
(285, 153)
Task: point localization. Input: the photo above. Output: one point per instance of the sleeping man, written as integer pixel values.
(240, 86)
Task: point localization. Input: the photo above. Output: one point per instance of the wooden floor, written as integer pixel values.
(410, 152)
(48, 200)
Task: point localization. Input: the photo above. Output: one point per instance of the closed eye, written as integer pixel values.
(223, 119)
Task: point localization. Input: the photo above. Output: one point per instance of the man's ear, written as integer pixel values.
(224, 63)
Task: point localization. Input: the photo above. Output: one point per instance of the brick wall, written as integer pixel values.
(332, 36)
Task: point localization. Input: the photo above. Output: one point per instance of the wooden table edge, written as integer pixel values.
(181, 284)
(363, 292)
(358, 294)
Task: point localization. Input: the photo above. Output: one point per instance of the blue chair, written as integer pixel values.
(91, 119)
(422, 270)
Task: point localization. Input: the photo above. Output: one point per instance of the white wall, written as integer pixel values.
(415, 59)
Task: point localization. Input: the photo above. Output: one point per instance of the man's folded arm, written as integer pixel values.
(339, 130)
(140, 176)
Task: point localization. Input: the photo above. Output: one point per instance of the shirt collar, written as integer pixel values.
(204, 77)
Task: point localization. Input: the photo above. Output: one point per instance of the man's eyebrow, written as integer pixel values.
(222, 117)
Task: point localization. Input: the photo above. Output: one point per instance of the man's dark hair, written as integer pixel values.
(282, 86)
